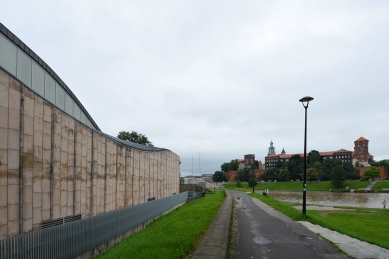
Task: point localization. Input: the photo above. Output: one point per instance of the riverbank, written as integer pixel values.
(311, 186)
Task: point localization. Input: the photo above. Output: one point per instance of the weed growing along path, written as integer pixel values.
(367, 224)
(173, 235)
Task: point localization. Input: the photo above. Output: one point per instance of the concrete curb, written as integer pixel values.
(214, 244)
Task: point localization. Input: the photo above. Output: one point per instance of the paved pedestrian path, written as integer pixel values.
(259, 231)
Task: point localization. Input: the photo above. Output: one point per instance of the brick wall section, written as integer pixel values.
(52, 166)
(362, 170)
(232, 174)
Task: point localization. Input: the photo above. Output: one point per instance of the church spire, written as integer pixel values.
(283, 151)
(271, 149)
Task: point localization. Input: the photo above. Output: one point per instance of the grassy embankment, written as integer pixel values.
(297, 186)
(173, 235)
(378, 186)
(370, 225)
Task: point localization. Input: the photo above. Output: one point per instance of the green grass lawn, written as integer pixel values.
(297, 186)
(379, 185)
(173, 235)
(370, 225)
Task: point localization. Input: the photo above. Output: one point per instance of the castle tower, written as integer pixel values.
(249, 160)
(271, 149)
(361, 150)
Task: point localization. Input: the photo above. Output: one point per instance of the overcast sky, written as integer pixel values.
(220, 79)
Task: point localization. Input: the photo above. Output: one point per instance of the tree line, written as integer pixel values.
(318, 168)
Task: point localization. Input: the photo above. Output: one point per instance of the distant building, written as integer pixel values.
(361, 152)
(249, 160)
(342, 155)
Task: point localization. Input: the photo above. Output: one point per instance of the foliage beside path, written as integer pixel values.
(367, 224)
(173, 235)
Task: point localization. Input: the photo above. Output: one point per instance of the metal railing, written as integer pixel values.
(78, 237)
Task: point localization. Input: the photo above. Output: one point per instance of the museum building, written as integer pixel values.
(56, 165)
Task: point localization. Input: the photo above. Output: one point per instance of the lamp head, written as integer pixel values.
(306, 99)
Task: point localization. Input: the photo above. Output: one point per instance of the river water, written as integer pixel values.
(365, 200)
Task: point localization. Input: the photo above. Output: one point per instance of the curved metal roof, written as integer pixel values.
(21, 45)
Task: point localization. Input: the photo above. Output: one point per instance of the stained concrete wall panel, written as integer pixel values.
(102, 177)
(128, 177)
(28, 159)
(14, 119)
(83, 173)
(148, 177)
(71, 166)
(3, 117)
(4, 88)
(120, 177)
(151, 176)
(141, 178)
(57, 163)
(94, 174)
(78, 170)
(135, 177)
(99, 176)
(89, 173)
(4, 191)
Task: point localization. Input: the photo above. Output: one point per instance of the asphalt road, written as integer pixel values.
(261, 232)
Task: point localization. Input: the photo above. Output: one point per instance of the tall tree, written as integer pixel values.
(327, 166)
(283, 176)
(234, 165)
(295, 167)
(313, 157)
(244, 175)
(270, 174)
(225, 167)
(314, 172)
(351, 173)
(279, 164)
(338, 176)
(219, 176)
(135, 137)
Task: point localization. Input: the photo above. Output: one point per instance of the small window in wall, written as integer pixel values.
(49, 88)
(76, 111)
(38, 79)
(69, 103)
(60, 97)
(24, 68)
(8, 55)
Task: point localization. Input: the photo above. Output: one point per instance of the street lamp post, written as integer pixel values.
(305, 101)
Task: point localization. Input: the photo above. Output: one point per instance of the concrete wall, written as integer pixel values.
(52, 166)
